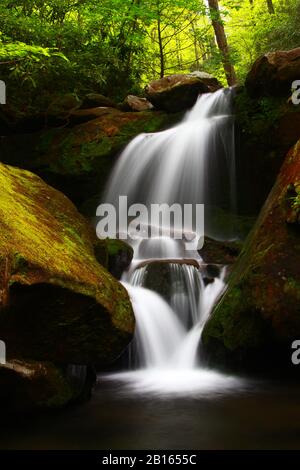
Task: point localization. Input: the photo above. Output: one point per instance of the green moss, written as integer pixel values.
(218, 324)
(233, 325)
(258, 116)
(150, 123)
(47, 139)
(49, 242)
(89, 148)
(84, 158)
(19, 263)
(261, 306)
(115, 246)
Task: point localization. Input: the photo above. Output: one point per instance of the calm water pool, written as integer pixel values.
(246, 415)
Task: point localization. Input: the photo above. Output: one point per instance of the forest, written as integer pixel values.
(149, 227)
(115, 47)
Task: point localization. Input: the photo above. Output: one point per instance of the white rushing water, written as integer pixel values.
(192, 162)
(167, 336)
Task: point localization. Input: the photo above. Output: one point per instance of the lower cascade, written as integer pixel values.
(170, 293)
(167, 335)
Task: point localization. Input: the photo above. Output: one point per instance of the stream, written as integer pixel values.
(249, 416)
(165, 396)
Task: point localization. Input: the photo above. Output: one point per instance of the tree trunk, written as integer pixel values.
(271, 8)
(161, 50)
(197, 58)
(222, 41)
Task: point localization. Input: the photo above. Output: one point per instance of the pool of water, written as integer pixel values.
(130, 412)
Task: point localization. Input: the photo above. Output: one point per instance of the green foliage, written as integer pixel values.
(253, 31)
(19, 50)
(293, 198)
(114, 47)
(44, 34)
(26, 62)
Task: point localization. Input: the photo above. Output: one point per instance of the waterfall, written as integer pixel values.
(154, 319)
(168, 333)
(191, 163)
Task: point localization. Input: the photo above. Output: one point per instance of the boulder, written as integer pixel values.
(63, 105)
(64, 111)
(219, 252)
(80, 116)
(95, 100)
(267, 128)
(30, 385)
(12, 122)
(115, 255)
(273, 73)
(259, 315)
(179, 92)
(166, 277)
(212, 82)
(57, 302)
(135, 103)
(78, 160)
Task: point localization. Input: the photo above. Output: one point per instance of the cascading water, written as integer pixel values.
(168, 333)
(191, 163)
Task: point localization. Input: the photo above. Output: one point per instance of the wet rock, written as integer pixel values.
(179, 92)
(166, 277)
(219, 252)
(211, 270)
(259, 316)
(31, 385)
(115, 255)
(208, 280)
(164, 262)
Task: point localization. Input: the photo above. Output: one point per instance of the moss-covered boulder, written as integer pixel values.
(78, 159)
(259, 316)
(268, 127)
(57, 303)
(96, 100)
(30, 385)
(62, 105)
(115, 255)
